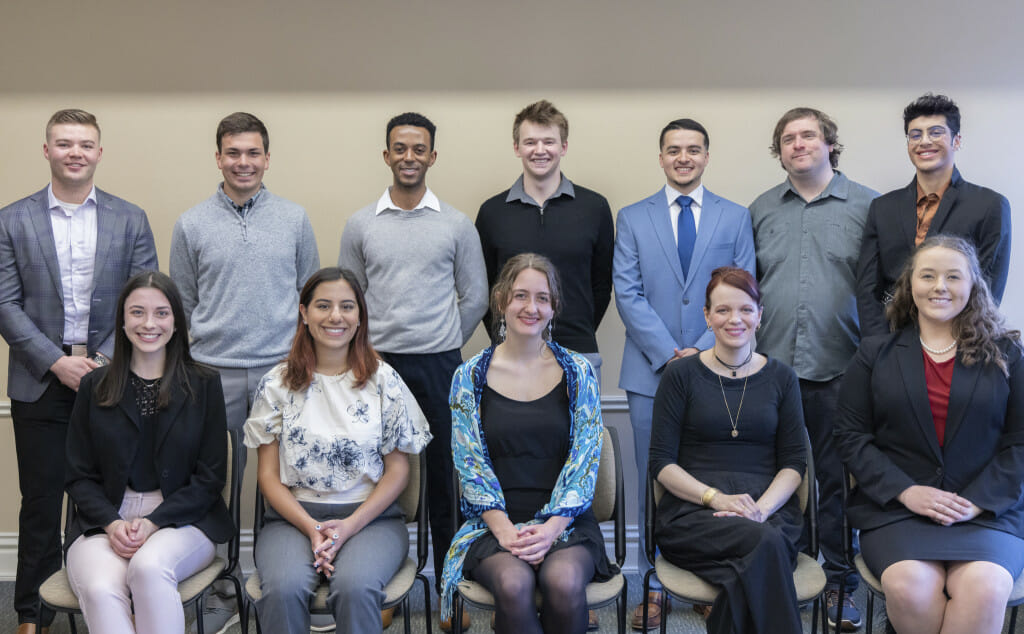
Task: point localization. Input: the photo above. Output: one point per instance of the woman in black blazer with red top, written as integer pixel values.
(931, 424)
(146, 464)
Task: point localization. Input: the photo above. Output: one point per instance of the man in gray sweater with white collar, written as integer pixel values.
(240, 259)
(421, 267)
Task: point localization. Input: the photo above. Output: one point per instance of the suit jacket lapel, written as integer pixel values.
(945, 205)
(40, 218)
(709, 217)
(166, 418)
(661, 225)
(129, 406)
(960, 391)
(908, 219)
(105, 221)
(908, 356)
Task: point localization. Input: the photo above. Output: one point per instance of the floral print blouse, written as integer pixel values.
(333, 437)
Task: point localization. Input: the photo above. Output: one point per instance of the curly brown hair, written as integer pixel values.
(978, 328)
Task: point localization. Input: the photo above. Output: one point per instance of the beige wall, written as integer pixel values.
(326, 76)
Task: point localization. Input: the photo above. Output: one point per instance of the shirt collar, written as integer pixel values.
(518, 193)
(671, 194)
(54, 203)
(838, 187)
(429, 201)
(247, 205)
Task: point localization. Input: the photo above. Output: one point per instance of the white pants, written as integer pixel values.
(106, 584)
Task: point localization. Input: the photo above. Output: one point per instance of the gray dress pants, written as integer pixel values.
(363, 566)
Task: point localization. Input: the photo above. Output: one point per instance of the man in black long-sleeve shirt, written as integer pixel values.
(544, 212)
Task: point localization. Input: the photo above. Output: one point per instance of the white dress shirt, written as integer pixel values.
(674, 208)
(74, 236)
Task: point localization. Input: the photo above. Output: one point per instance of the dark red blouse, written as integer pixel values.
(938, 375)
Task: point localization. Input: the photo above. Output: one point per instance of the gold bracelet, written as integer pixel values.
(709, 494)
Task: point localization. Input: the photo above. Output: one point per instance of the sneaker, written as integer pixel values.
(324, 623)
(216, 620)
(851, 615)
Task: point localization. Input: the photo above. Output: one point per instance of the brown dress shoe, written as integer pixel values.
(703, 610)
(30, 628)
(386, 616)
(593, 624)
(658, 607)
(446, 624)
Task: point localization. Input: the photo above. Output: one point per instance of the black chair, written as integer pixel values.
(397, 590)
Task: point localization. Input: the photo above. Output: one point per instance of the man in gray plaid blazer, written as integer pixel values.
(65, 253)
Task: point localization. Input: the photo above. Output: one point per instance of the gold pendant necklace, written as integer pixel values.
(734, 422)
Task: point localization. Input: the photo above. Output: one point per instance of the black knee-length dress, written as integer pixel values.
(528, 443)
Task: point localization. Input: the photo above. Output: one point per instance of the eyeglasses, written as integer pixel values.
(934, 133)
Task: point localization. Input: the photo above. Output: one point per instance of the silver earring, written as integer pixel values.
(709, 326)
(502, 331)
(548, 329)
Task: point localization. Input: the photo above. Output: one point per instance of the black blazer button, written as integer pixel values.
(938, 471)
(165, 474)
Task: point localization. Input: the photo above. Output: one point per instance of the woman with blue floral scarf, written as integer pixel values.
(526, 439)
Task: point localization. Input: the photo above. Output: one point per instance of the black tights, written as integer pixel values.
(562, 579)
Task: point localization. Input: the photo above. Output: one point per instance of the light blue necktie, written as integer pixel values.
(687, 233)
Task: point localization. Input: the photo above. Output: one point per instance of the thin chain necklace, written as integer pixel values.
(933, 350)
(731, 367)
(733, 421)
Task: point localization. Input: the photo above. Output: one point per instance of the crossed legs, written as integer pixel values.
(917, 602)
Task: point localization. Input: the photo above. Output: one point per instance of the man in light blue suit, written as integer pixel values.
(666, 247)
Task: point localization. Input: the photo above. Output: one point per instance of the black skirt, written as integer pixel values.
(917, 538)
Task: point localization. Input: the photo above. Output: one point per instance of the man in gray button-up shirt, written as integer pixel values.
(807, 234)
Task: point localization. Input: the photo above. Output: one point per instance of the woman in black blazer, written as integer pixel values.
(931, 424)
(146, 463)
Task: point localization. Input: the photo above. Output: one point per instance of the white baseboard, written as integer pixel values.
(9, 551)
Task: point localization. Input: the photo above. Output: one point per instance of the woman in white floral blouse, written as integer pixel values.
(332, 425)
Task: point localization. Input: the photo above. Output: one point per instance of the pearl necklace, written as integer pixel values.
(933, 350)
